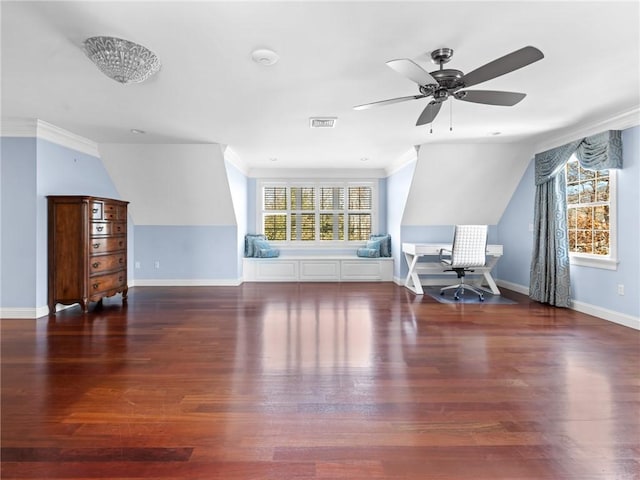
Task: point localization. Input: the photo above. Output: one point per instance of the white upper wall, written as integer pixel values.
(464, 183)
(171, 184)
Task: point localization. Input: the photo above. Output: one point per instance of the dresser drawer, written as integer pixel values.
(105, 263)
(109, 244)
(103, 283)
(96, 210)
(113, 211)
(108, 228)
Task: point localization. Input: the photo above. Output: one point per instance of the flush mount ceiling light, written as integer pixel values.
(137, 131)
(122, 60)
(264, 56)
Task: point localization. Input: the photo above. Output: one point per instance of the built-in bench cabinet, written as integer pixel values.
(318, 268)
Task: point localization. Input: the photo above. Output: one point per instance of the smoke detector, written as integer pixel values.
(264, 56)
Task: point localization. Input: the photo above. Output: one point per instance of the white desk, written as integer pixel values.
(413, 251)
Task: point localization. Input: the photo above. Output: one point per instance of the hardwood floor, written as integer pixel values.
(318, 381)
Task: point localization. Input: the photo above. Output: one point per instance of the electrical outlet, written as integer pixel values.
(620, 289)
(157, 264)
(137, 264)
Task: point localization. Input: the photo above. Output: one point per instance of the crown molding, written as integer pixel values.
(20, 127)
(620, 121)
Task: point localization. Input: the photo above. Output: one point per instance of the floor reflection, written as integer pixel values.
(312, 335)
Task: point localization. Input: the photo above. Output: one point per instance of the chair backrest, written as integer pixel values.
(469, 246)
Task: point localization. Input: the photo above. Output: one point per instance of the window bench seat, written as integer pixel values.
(318, 268)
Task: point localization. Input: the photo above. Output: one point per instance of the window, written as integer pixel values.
(591, 215)
(320, 212)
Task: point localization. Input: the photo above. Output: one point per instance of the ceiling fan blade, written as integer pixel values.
(492, 97)
(388, 102)
(429, 113)
(508, 63)
(412, 71)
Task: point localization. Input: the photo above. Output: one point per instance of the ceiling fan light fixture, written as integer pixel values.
(121, 60)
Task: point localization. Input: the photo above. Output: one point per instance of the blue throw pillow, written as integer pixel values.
(368, 252)
(249, 240)
(267, 252)
(385, 244)
(262, 249)
(374, 245)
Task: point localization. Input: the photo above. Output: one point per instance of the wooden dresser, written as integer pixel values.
(87, 249)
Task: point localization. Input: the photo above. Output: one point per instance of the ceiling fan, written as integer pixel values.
(444, 83)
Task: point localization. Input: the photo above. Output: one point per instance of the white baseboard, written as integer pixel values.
(23, 313)
(513, 286)
(205, 282)
(600, 312)
(606, 314)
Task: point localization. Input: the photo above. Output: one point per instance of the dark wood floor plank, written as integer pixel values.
(318, 381)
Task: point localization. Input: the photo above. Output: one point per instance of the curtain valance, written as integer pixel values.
(596, 152)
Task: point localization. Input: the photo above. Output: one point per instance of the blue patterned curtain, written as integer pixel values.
(550, 281)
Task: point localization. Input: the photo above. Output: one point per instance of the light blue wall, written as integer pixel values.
(185, 252)
(65, 171)
(32, 169)
(18, 224)
(398, 186)
(514, 234)
(599, 287)
(239, 195)
(593, 286)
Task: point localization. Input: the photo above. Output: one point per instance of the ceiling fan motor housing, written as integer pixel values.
(449, 78)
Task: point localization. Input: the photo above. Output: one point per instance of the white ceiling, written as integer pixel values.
(332, 57)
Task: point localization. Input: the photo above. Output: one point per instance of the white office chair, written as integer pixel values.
(468, 250)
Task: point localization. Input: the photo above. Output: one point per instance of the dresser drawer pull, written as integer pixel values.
(120, 243)
(100, 228)
(96, 245)
(120, 278)
(95, 265)
(119, 229)
(121, 260)
(95, 286)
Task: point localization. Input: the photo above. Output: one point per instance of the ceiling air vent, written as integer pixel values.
(322, 122)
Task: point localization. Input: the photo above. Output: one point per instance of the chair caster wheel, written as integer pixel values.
(442, 294)
(481, 298)
(456, 298)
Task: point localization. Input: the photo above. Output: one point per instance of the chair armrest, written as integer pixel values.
(445, 252)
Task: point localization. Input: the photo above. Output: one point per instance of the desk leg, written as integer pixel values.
(417, 286)
(493, 288)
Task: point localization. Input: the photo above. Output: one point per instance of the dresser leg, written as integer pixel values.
(124, 294)
(85, 305)
(52, 308)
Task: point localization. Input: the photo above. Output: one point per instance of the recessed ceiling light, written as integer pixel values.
(273, 159)
(496, 133)
(136, 131)
(364, 159)
(264, 56)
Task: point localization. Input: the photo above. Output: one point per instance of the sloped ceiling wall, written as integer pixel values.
(464, 183)
(171, 184)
